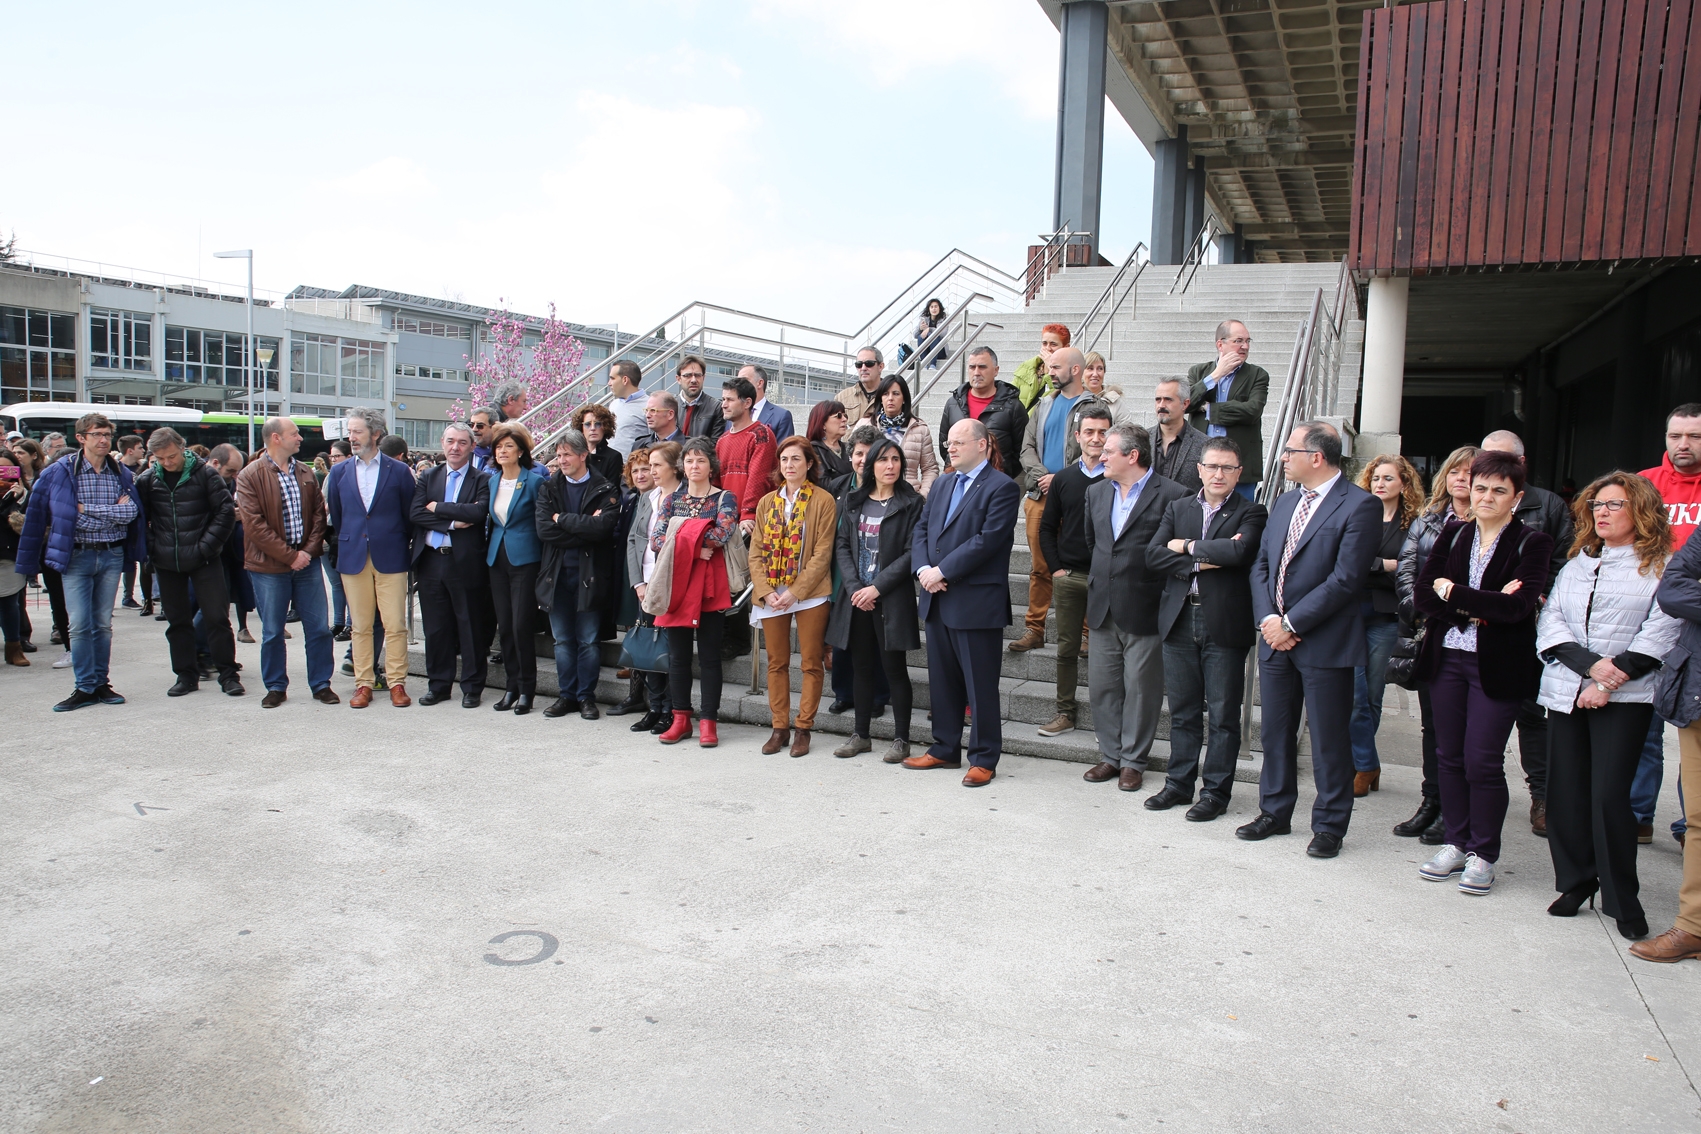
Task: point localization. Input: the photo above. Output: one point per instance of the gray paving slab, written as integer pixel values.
(220, 918)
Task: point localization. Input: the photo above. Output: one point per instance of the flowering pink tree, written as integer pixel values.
(554, 366)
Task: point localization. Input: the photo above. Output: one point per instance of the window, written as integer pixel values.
(594, 352)
(38, 356)
(328, 367)
(120, 340)
(431, 327)
(193, 403)
(214, 358)
(436, 373)
(123, 400)
(421, 434)
(326, 412)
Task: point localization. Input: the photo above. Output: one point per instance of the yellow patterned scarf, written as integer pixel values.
(782, 539)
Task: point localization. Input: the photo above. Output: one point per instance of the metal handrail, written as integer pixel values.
(1196, 254)
(940, 335)
(961, 354)
(1109, 291)
(1343, 288)
(1062, 237)
(861, 334)
(1296, 394)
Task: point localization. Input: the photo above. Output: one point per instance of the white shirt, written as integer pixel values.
(1322, 491)
(505, 490)
(366, 477)
(629, 424)
(657, 494)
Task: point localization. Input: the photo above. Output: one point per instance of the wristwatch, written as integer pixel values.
(1288, 626)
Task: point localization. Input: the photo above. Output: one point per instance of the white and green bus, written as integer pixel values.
(37, 419)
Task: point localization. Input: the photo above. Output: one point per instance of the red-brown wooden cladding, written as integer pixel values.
(1498, 132)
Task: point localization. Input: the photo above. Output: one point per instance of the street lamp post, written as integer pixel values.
(248, 342)
(264, 354)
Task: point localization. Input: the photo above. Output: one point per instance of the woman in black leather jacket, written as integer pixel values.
(1449, 498)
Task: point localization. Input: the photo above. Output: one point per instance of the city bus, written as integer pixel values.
(37, 419)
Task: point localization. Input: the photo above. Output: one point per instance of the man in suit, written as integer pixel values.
(1125, 671)
(699, 413)
(1226, 398)
(661, 414)
(961, 555)
(450, 505)
(1206, 545)
(776, 418)
(370, 498)
(1176, 445)
(1306, 584)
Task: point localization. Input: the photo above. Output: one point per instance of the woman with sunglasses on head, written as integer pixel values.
(893, 415)
(1601, 638)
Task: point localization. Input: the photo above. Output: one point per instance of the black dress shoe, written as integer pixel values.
(1427, 813)
(1324, 845)
(664, 721)
(470, 701)
(1435, 834)
(273, 698)
(343, 634)
(232, 686)
(29, 646)
(1207, 809)
(1167, 798)
(523, 705)
(184, 687)
(879, 710)
(643, 723)
(77, 700)
(506, 704)
(838, 707)
(589, 711)
(433, 698)
(561, 708)
(1262, 828)
(1634, 928)
(627, 708)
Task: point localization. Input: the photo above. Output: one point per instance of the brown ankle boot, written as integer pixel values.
(1366, 782)
(780, 738)
(15, 654)
(800, 746)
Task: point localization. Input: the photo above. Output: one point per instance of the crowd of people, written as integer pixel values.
(686, 522)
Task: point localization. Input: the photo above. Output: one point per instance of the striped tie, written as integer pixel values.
(1300, 515)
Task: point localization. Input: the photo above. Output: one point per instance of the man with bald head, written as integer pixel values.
(1048, 447)
(1226, 396)
(1545, 512)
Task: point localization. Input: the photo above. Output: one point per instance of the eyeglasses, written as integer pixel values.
(1289, 452)
(98, 435)
(1219, 468)
(1607, 505)
(1238, 342)
(867, 364)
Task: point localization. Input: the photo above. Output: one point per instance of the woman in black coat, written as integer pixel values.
(875, 616)
(1394, 482)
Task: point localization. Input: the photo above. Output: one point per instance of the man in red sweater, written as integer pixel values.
(1678, 478)
(745, 451)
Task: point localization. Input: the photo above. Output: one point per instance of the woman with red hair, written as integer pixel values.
(1031, 380)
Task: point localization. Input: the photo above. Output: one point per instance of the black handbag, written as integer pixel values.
(1402, 659)
(645, 648)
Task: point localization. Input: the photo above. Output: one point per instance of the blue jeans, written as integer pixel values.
(272, 595)
(91, 587)
(576, 633)
(1369, 683)
(339, 604)
(1202, 678)
(1650, 774)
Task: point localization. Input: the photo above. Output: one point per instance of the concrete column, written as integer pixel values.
(1080, 120)
(1194, 199)
(1384, 366)
(1169, 207)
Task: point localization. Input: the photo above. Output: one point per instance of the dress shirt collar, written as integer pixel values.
(1133, 490)
(1096, 470)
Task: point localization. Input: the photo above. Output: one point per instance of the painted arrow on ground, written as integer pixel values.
(141, 810)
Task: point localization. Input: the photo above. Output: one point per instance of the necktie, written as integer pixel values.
(956, 496)
(1300, 515)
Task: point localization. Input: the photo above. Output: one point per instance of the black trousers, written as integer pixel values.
(869, 661)
(54, 584)
(214, 604)
(708, 635)
(1591, 831)
(514, 591)
(453, 615)
(1431, 767)
(962, 673)
(1533, 747)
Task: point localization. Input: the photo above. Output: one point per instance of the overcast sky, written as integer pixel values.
(799, 158)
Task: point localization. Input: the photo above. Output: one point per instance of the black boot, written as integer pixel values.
(637, 701)
(643, 723)
(1435, 834)
(1427, 813)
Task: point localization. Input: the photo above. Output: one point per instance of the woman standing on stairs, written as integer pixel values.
(791, 573)
(1449, 499)
(1394, 482)
(894, 415)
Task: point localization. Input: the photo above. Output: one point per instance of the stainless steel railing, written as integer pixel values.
(1138, 261)
(1196, 251)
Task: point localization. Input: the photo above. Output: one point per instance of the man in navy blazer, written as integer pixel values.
(1306, 585)
(961, 555)
(777, 418)
(370, 498)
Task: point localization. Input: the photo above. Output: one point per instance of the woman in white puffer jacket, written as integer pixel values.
(1600, 638)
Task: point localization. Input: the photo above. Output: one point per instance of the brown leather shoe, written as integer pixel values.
(1538, 817)
(399, 696)
(1032, 640)
(928, 761)
(977, 776)
(1099, 773)
(1131, 779)
(1366, 782)
(1673, 945)
(800, 745)
(273, 698)
(362, 697)
(776, 741)
(1645, 833)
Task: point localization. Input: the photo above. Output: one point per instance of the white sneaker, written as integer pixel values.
(1478, 877)
(1448, 861)
(64, 662)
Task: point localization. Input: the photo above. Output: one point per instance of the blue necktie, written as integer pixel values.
(962, 486)
(451, 489)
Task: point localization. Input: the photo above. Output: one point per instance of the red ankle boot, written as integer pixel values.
(680, 729)
(707, 737)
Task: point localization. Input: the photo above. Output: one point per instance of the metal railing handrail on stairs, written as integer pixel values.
(1208, 231)
(1314, 375)
(1139, 259)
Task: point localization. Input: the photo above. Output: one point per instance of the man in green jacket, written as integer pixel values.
(1226, 399)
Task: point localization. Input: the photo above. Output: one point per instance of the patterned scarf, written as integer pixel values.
(892, 427)
(782, 538)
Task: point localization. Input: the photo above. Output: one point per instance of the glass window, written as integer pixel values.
(327, 366)
(38, 356)
(118, 340)
(421, 434)
(432, 327)
(215, 358)
(438, 373)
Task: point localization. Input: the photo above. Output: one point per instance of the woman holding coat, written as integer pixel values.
(1479, 593)
(791, 573)
(875, 617)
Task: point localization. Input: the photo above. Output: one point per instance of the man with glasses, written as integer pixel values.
(1307, 582)
(1205, 545)
(858, 397)
(1226, 398)
(84, 522)
(994, 403)
(661, 414)
(700, 414)
(481, 422)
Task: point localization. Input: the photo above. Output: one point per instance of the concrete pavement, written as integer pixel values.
(222, 918)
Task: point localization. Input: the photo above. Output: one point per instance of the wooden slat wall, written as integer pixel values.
(1501, 132)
